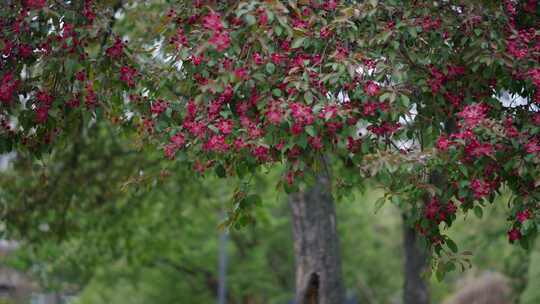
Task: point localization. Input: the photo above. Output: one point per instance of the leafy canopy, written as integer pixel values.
(438, 100)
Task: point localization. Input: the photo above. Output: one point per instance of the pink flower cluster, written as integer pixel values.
(8, 87)
(220, 38)
(127, 75)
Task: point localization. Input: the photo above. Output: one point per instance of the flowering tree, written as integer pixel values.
(408, 92)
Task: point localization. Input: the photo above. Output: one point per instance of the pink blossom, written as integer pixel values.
(178, 140)
(369, 108)
(290, 177)
(455, 71)
(532, 146)
(170, 150)
(213, 22)
(274, 116)
(220, 40)
(216, 143)
(328, 112)
(454, 99)
(443, 143)
(371, 88)
(261, 153)
(315, 142)
(191, 109)
(263, 17)
(127, 75)
(88, 11)
(225, 126)
(451, 207)
(480, 188)
(332, 127)
(197, 129)
(325, 32)
(386, 128)
(8, 86)
(90, 99)
(534, 74)
(476, 149)
(473, 114)
(34, 4)
(257, 58)
(42, 114)
(297, 128)
(25, 50)
(509, 128)
(523, 215)
(330, 5)
(302, 113)
(116, 50)
(239, 144)
(353, 145)
(241, 73)
(196, 60)
(299, 23)
(44, 98)
(436, 81)
(431, 209)
(179, 39)
(159, 106)
(73, 102)
(255, 132)
(514, 235)
(80, 76)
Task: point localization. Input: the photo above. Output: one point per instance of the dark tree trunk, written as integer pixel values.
(316, 245)
(415, 289)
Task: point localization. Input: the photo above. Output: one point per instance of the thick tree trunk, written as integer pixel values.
(415, 289)
(316, 245)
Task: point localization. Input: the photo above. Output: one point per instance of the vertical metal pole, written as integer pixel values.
(222, 288)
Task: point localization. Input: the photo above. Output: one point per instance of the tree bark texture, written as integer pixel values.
(316, 245)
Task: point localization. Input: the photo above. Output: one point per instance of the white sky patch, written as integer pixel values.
(52, 28)
(408, 119)
(405, 144)
(5, 160)
(360, 70)
(343, 97)
(145, 92)
(512, 100)
(178, 65)
(361, 128)
(119, 15)
(156, 50)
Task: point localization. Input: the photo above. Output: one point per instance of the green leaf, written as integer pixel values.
(311, 131)
(298, 42)
(302, 141)
(278, 30)
(276, 92)
(250, 19)
(412, 31)
(405, 100)
(308, 97)
(270, 68)
(379, 203)
(478, 211)
(220, 171)
(253, 200)
(384, 96)
(452, 245)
